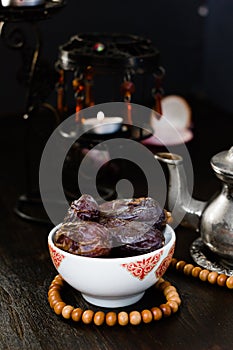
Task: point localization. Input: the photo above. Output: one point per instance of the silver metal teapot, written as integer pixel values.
(214, 219)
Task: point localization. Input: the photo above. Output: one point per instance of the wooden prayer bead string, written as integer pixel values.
(112, 318)
(204, 275)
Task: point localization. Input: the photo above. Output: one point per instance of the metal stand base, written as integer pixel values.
(205, 258)
(31, 209)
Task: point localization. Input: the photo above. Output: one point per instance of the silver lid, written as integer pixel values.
(222, 163)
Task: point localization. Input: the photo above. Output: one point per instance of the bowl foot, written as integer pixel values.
(113, 302)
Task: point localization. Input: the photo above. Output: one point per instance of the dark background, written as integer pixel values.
(197, 54)
(196, 50)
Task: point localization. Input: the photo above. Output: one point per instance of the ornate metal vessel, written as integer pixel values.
(214, 219)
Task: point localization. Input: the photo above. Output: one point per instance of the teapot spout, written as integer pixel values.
(185, 210)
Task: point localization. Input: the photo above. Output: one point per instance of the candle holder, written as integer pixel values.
(102, 125)
(110, 60)
(93, 65)
(11, 12)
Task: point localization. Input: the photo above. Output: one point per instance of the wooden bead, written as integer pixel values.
(165, 309)
(54, 289)
(221, 280)
(99, 318)
(196, 271)
(159, 282)
(212, 277)
(188, 268)
(180, 265)
(172, 294)
(173, 305)
(55, 284)
(66, 311)
(173, 262)
(59, 280)
(176, 299)
(76, 314)
(53, 302)
(157, 313)
(59, 277)
(229, 282)
(168, 290)
(53, 294)
(135, 318)
(146, 316)
(163, 285)
(87, 316)
(203, 275)
(58, 307)
(111, 318)
(123, 318)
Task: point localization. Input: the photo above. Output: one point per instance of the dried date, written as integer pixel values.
(131, 237)
(85, 208)
(123, 227)
(152, 240)
(144, 209)
(84, 238)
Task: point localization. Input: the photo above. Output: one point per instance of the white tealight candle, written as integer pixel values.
(102, 124)
(100, 116)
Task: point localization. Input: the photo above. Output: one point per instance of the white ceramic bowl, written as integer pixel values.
(113, 282)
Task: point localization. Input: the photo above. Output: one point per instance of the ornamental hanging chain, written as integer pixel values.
(127, 89)
(157, 91)
(79, 91)
(89, 82)
(60, 88)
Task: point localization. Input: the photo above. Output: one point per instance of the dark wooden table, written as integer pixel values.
(205, 318)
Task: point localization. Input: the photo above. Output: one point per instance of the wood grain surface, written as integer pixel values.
(205, 318)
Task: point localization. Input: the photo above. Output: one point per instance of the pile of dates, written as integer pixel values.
(119, 228)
